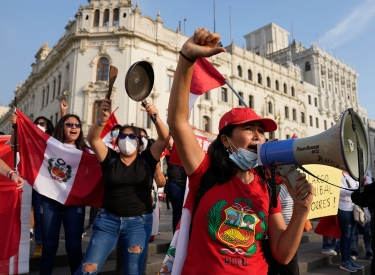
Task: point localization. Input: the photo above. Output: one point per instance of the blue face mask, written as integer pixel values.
(115, 133)
(244, 159)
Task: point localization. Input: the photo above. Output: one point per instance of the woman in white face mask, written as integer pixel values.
(126, 214)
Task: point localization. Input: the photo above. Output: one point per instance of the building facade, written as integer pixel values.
(303, 89)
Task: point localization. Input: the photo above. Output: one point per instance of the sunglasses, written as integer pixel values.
(122, 136)
(70, 125)
(146, 137)
(40, 123)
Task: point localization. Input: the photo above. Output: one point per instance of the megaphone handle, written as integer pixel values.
(153, 117)
(290, 172)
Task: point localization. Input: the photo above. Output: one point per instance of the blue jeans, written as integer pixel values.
(108, 229)
(366, 237)
(176, 196)
(37, 223)
(347, 227)
(331, 244)
(52, 214)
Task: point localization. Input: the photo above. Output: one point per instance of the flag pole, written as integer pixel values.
(235, 92)
(15, 139)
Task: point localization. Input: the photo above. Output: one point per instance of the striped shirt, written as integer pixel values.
(286, 203)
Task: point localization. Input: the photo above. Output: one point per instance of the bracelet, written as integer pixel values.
(187, 58)
(10, 173)
(101, 123)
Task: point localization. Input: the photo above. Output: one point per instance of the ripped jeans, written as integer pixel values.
(132, 232)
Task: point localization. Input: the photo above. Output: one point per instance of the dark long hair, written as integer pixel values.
(59, 133)
(50, 128)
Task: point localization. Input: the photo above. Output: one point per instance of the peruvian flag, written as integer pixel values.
(205, 78)
(15, 208)
(294, 136)
(111, 122)
(56, 170)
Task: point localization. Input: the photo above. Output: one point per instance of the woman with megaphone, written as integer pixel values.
(234, 213)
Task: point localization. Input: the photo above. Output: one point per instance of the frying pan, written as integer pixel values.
(139, 81)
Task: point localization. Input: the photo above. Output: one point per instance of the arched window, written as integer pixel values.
(249, 75)
(206, 123)
(292, 90)
(59, 85)
(259, 78)
(43, 95)
(239, 71)
(251, 101)
(239, 101)
(270, 107)
(96, 18)
(294, 113)
(47, 94)
(116, 17)
(329, 87)
(277, 85)
(307, 66)
(106, 18)
(322, 84)
(268, 82)
(285, 89)
(102, 70)
(54, 88)
(206, 95)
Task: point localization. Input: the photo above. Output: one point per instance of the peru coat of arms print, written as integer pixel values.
(59, 170)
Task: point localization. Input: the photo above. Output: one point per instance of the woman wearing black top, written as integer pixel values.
(126, 215)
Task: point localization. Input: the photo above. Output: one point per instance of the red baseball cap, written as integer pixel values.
(243, 115)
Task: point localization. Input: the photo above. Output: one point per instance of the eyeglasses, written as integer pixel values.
(40, 123)
(70, 125)
(122, 136)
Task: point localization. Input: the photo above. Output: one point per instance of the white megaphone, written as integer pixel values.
(343, 146)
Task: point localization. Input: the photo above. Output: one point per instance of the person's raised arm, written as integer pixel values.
(63, 107)
(93, 137)
(202, 44)
(13, 121)
(163, 134)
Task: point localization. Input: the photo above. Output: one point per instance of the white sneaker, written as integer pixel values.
(329, 252)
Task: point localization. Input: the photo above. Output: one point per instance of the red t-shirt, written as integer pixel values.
(228, 226)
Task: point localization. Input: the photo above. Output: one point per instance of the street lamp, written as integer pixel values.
(185, 19)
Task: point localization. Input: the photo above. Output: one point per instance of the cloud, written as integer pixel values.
(351, 26)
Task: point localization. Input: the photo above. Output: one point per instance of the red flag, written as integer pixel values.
(294, 136)
(67, 175)
(111, 122)
(205, 78)
(165, 153)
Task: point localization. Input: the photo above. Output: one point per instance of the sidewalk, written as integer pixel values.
(156, 254)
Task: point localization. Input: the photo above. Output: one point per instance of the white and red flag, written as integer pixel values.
(15, 208)
(56, 170)
(111, 122)
(205, 78)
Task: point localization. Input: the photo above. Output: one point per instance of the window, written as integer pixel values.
(116, 17)
(325, 125)
(250, 75)
(271, 135)
(96, 18)
(106, 18)
(144, 119)
(102, 70)
(270, 107)
(311, 121)
(95, 111)
(302, 117)
(309, 97)
(206, 95)
(287, 136)
(317, 122)
(322, 84)
(206, 123)
(329, 87)
(331, 124)
(286, 112)
(170, 77)
(293, 93)
(43, 95)
(239, 101)
(56, 118)
(224, 94)
(294, 114)
(59, 85)
(47, 96)
(251, 101)
(259, 79)
(277, 85)
(342, 92)
(268, 82)
(285, 89)
(336, 90)
(54, 89)
(315, 102)
(307, 66)
(239, 71)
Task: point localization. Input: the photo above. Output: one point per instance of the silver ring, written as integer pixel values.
(303, 196)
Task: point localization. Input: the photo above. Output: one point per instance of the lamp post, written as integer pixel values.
(185, 19)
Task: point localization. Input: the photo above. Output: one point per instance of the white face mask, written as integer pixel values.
(127, 146)
(145, 142)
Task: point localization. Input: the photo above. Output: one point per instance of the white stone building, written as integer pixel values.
(304, 89)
